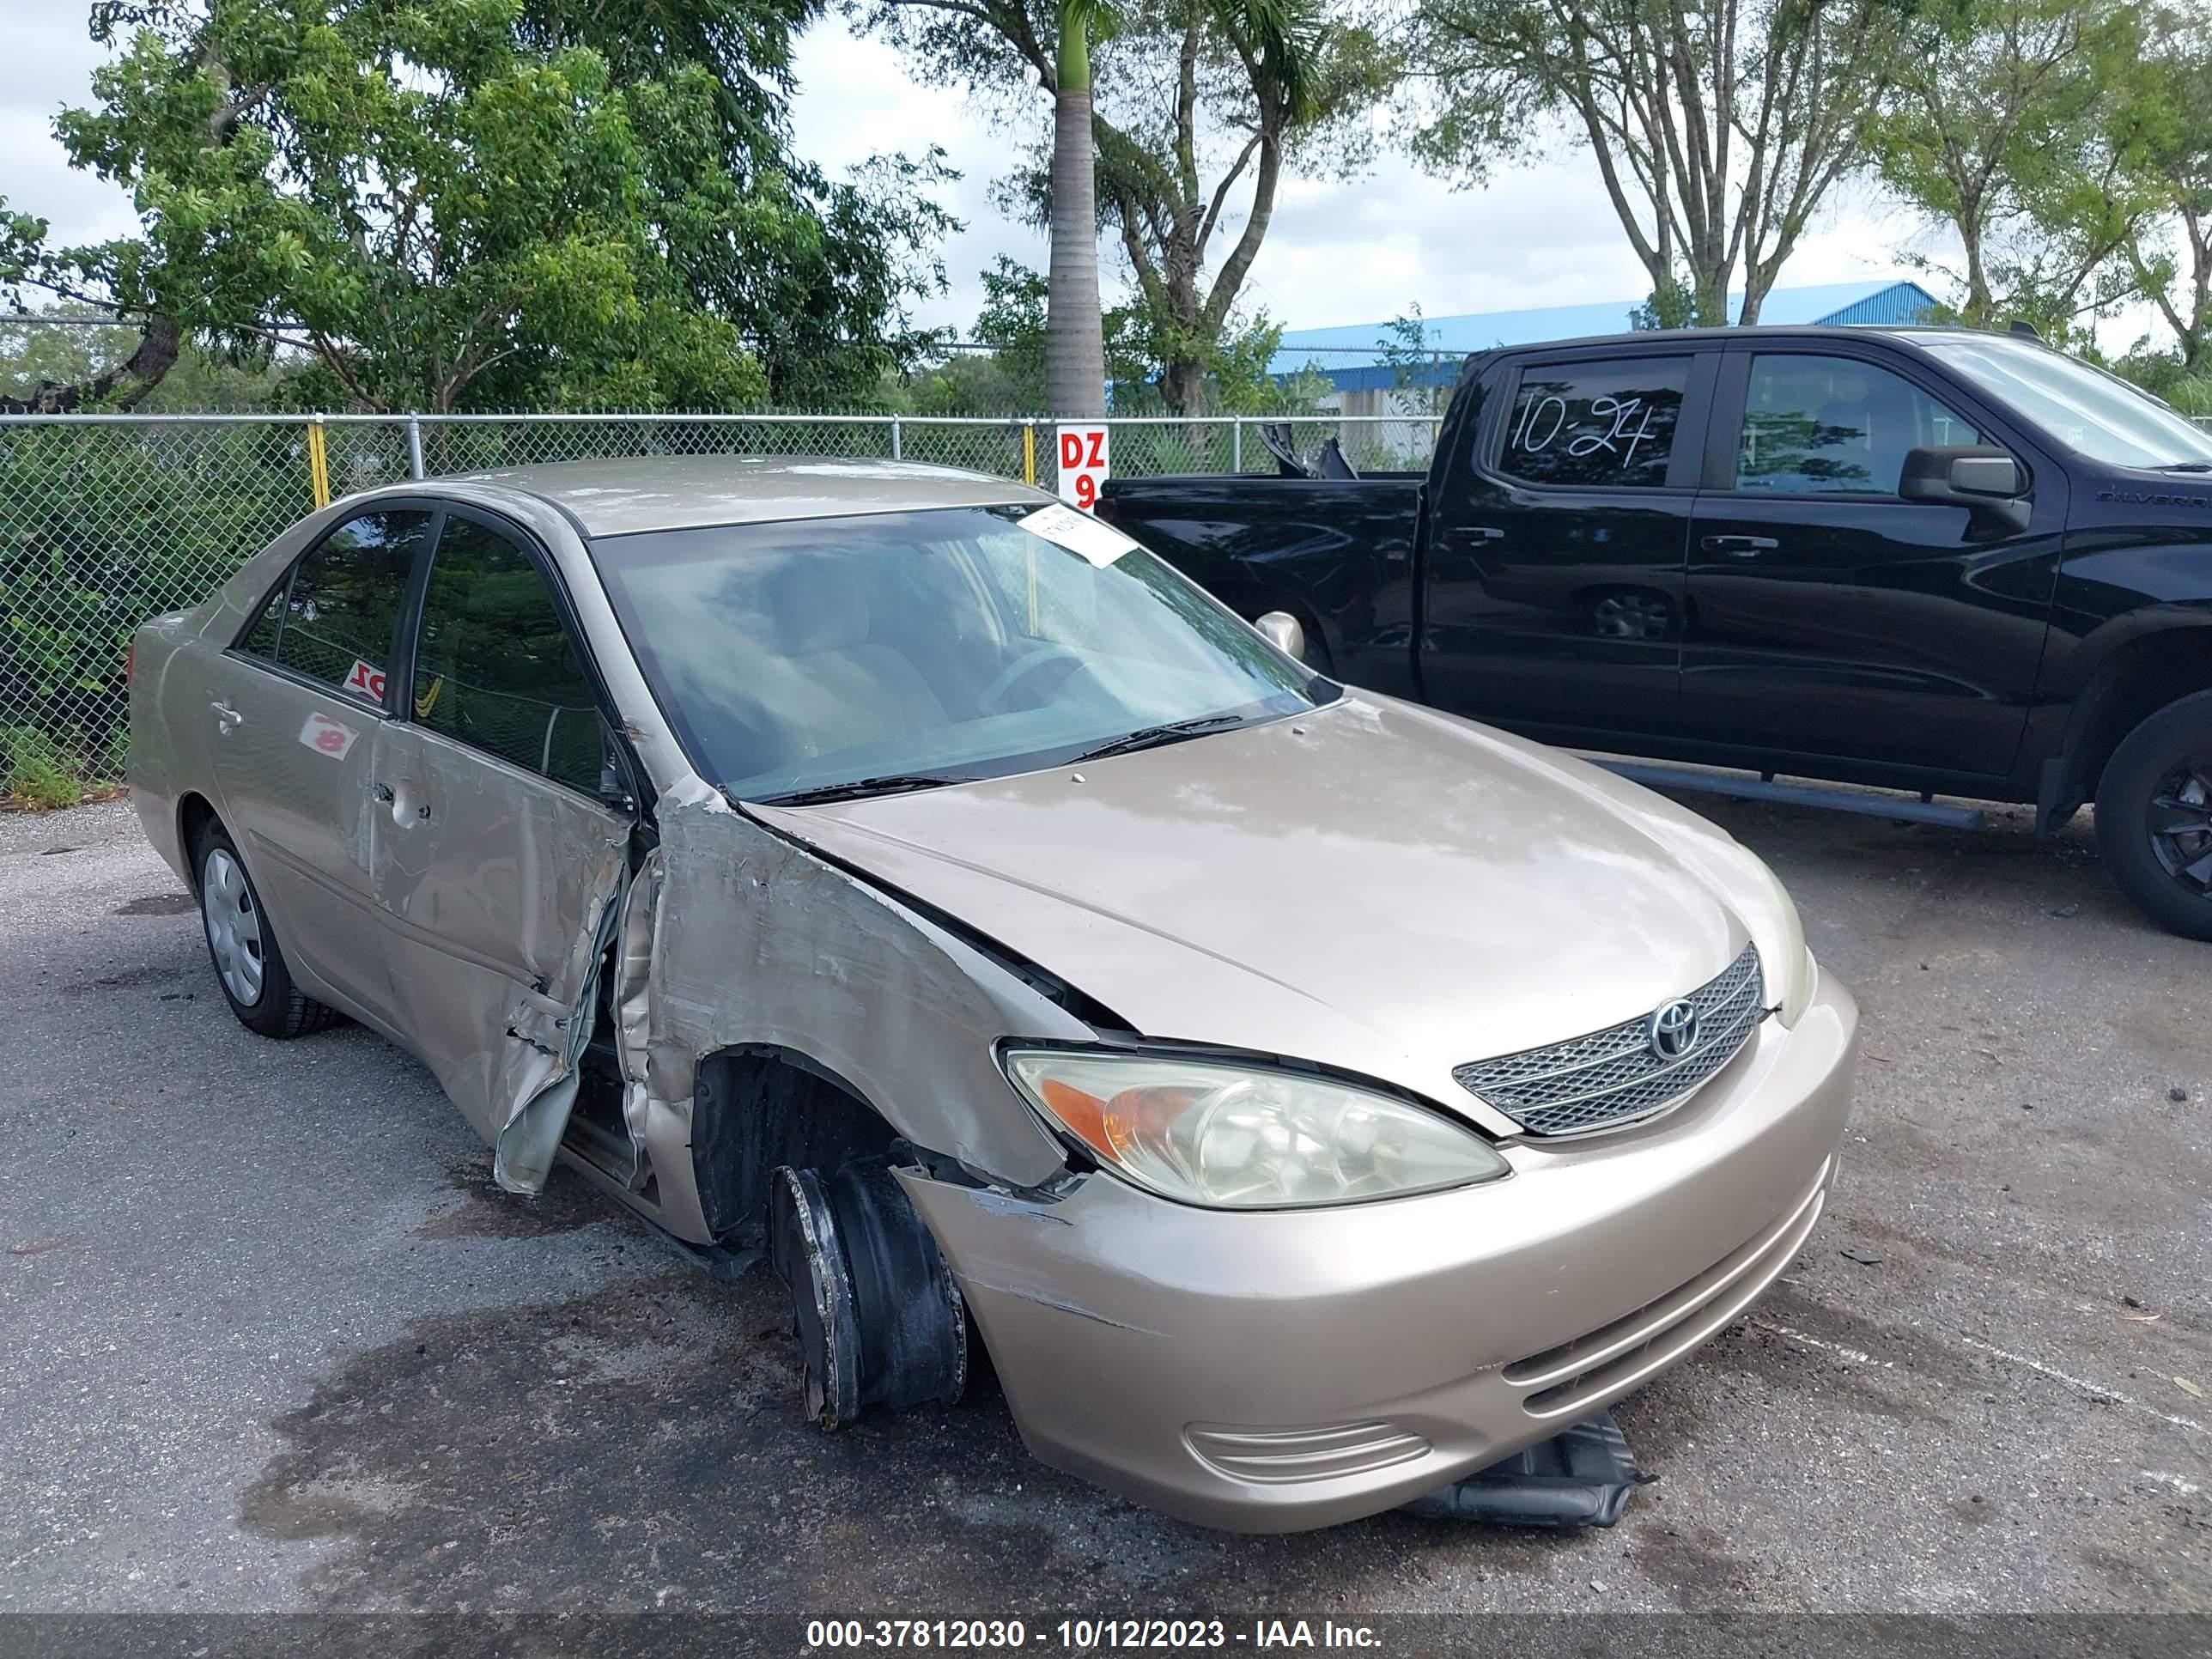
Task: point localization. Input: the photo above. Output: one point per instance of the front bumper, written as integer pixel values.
(1267, 1372)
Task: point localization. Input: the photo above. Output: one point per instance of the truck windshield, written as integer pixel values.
(859, 655)
(2091, 412)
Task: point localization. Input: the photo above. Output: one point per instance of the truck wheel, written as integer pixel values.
(2154, 816)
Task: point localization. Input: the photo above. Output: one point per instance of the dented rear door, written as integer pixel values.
(502, 838)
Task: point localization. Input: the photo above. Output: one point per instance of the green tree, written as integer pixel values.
(1202, 107)
(1009, 378)
(50, 358)
(1999, 132)
(1718, 130)
(487, 203)
(1414, 361)
(2166, 138)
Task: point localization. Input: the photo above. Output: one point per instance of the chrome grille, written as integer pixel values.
(1613, 1076)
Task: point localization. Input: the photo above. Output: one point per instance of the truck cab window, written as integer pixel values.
(1604, 424)
(1815, 425)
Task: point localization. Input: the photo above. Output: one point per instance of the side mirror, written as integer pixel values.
(1988, 482)
(1280, 629)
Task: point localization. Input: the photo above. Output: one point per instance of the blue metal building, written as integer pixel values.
(1351, 356)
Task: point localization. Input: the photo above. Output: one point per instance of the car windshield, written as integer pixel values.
(863, 655)
(2091, 412)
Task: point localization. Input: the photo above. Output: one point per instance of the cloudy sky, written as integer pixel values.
(1339, 252)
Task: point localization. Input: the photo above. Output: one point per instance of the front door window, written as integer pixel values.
(1824, 426)
(495, 667)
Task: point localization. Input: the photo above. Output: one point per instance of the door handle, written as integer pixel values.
(1739, 547)
(1479, 532)
(226, 719)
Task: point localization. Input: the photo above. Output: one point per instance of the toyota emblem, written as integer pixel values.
(1674, 1031)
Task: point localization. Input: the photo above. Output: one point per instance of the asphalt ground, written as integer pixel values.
(269, 1340)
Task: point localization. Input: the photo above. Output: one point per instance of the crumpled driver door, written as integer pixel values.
(500, 890)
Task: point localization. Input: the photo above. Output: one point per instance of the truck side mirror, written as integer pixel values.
(1280, 629)
(1987, 482)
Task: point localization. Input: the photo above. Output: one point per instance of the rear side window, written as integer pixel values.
(1605, 424)
(332, 619)
(1816, 425)
(495, 667)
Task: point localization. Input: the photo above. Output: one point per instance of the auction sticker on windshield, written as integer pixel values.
(1078, 532)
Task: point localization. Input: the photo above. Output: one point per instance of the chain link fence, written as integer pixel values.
(106, 521)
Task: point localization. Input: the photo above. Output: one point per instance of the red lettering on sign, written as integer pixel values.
(367, 682)
(1097, 448)
(1071, 449)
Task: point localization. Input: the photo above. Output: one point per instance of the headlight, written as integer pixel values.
(1247, 1137)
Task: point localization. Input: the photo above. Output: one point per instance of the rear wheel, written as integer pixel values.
(2154, 816)
(248, 964)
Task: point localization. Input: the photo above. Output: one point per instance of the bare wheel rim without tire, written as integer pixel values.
(2181, 827)
(234, 925)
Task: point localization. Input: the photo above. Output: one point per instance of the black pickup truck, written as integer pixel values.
(1932, 559)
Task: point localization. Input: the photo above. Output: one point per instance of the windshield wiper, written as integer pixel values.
(1151, 736)
(2187, 466)
(891, 783)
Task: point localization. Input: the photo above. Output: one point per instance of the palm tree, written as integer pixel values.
(1075, 334)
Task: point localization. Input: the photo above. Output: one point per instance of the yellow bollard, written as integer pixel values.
(319, 464)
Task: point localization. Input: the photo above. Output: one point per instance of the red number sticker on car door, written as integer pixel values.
(327, 736)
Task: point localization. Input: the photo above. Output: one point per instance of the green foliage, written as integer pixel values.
(1009, 378)
(1717, 131)
(1669, 305)
(35, 354)
(1200, 107)
(101, 528)
(1413, 362)
(2001, 131)
(2165, 143)
(491, 202)
(38, 776)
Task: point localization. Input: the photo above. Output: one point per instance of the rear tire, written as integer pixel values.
(2154, 816)
(242, 946)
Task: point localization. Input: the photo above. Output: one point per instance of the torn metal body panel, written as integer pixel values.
(851, 832)
(760, 942)
(497, 891)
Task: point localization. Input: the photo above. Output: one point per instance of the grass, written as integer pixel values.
(38, 777)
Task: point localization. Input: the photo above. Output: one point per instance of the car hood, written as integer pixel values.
(1373, 886)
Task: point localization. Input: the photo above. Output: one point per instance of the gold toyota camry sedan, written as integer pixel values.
(1307, 1098)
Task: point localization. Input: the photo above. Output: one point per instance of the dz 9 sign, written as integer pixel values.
(1082, 464)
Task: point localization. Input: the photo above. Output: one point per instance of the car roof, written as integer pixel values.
(1758, 335)
(673, 492)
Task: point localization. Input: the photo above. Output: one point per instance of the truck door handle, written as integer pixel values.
(226, 719)
(1739, 547)
(1479, 532)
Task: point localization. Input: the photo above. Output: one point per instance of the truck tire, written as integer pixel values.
(2154, 816)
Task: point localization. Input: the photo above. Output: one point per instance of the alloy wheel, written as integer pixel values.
(2180, 824)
